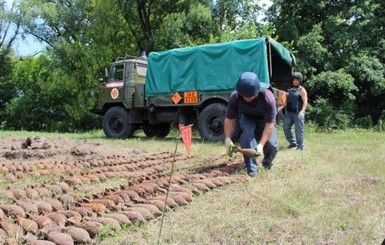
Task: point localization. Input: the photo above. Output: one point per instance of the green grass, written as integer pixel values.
(332, 193)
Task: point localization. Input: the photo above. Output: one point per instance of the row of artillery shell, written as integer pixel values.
(102, 170)
(107, 161)
(99, 210)
(51, 211)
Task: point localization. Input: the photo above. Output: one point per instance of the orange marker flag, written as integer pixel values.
(186, 133)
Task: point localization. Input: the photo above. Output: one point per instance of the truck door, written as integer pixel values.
(119, 87)
(138, 84)
(114, 88)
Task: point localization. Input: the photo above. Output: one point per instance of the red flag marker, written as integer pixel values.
(186, 133)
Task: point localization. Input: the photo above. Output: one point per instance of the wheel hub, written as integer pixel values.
(116, 124)
(216, 125)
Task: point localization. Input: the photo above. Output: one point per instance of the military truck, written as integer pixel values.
(186, 85)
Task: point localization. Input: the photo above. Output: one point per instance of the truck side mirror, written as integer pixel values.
(106, 72)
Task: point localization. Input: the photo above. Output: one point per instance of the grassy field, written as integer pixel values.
(331, 193)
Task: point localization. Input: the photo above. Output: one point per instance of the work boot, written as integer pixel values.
(292, 145)
(267, 166)
(252, 174)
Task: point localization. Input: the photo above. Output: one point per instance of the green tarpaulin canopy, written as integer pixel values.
(213, 67)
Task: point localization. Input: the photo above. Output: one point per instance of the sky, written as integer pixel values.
(27, 47)
(30, 46)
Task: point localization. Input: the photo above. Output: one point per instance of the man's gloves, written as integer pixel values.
(259, 150)
(301, 115)
(229, 147)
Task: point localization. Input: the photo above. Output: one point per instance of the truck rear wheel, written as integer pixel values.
(160, 130)
(211, 120)
(116, 123)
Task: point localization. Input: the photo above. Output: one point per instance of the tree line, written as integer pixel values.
(339, 46)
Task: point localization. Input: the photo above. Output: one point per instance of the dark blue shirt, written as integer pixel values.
(266, 98)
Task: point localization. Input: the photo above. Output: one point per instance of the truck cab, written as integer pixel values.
(123, 91)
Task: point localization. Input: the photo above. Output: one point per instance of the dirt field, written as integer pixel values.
(65, 191)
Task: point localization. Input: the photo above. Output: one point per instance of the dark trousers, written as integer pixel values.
(252, 130)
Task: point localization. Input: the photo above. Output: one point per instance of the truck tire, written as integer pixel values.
(160, 130)
(210, 123)
(116, 125)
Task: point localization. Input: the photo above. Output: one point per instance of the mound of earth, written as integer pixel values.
(19, 149)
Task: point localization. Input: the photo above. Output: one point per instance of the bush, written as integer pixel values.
(327, 116)
(364, 122)
(380, 126)
(332, 99)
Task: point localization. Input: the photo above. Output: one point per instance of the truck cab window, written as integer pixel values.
(117, 73)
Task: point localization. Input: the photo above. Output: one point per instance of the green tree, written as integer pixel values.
(7, 90)
(334, 35)
(9, 26)
(188, 28)
(145, 18)
(234, 14)
(369, 74)
(37, 105)
(311, 47)
(9, 31)
(333, 99)
(77, 51)
(239, 19)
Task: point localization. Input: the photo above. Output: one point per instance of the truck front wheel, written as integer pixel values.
(116, 123)
(160, 130)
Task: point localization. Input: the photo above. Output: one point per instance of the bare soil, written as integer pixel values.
(24, 150)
